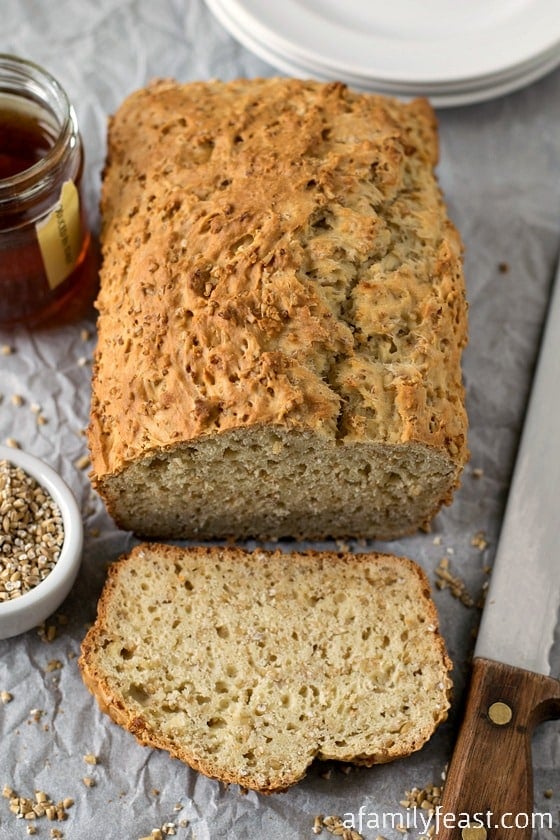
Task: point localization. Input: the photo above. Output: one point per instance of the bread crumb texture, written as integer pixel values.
(248, 666)
(281, 314)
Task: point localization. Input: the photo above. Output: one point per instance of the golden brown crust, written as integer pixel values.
(276, 254)
(222, 205)
(108, 691)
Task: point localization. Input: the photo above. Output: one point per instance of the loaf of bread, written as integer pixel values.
(281, 315)
(248, 666)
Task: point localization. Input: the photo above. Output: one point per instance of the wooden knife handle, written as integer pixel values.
(490, 780)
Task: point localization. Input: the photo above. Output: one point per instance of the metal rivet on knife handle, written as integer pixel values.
(474, 832)
(500, 714)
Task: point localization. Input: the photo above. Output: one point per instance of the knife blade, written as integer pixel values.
(488, 793)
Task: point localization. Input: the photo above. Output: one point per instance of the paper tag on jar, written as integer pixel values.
(60, 236)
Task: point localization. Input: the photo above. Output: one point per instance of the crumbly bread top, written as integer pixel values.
(275, 252)
(249, 666)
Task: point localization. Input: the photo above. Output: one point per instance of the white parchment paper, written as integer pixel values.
(500, 171)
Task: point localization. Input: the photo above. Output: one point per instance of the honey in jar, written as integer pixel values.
(44, 239)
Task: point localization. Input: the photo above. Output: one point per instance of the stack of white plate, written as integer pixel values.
(453, 51)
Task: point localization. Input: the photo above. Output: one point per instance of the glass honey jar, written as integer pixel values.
(44, 238)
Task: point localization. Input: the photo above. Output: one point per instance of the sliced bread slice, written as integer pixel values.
(248, 666)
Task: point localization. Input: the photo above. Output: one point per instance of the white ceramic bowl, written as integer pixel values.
(32, 608)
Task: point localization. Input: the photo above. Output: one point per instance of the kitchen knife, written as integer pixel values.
(488, 792)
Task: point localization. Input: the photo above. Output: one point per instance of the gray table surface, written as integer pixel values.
(500, 171)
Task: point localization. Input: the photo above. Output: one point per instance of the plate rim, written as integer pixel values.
(480, 57)
(441, 98)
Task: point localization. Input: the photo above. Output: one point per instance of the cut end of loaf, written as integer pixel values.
(249, 666)
(274, 483)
